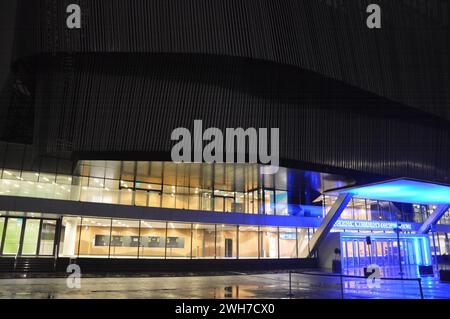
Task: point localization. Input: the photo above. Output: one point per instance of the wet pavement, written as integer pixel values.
(220, 287)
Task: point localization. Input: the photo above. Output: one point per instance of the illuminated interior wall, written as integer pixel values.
(152, 229)
(131, 239)
(248, 242)
(288, 243)
(180, 246)
(226, 242)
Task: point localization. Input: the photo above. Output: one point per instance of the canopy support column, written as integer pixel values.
(328, 223)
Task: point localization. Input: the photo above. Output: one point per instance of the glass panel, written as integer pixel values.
(128, 171)
(47, 237)
(30, 237)
(385, 213)
(238, 206)
(124, 238)
(269, 242)
(12, 239)
(152, 241)
(168, 200)
(126, 196)
(170, 176)
(154, 199)
(156, 172)
(30, 176)
(269, 202)
(226, 241)
(373, 210)
(111, 192)
(248, 242)
(143, 172)
(348, 211)
(178, 240)
(70, 234)
(359, 209)
(95, 237)
(255, 202)
(219, 204)
(302, 242)
(203, 241)
(141, 198)
(206, 200)
(288, 243)
(281, 178)
(182, 198)
(229, 204)
(194, 199)
(281, 203)
(112, 170)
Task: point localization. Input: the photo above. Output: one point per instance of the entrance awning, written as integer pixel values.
(401, 190)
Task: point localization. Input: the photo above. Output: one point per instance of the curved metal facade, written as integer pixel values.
(344, 97)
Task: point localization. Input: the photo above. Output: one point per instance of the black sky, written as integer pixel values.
(7, 21)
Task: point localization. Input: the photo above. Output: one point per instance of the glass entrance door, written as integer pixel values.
(383, 251)
(31, 237)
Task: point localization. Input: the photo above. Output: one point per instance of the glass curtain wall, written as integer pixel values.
(117, 238)
(197, 186)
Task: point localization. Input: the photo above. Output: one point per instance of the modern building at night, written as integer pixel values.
(87, 116)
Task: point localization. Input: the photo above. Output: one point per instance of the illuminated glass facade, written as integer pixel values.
(125, 238)
(368, 209)
(220, 188)
(238, 188)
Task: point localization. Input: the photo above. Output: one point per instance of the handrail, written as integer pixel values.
(351, 276)
(419, 280)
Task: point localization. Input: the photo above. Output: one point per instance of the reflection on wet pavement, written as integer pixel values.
(218, 287)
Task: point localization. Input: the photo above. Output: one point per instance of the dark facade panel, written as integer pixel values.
(405, 61)
(131, 103)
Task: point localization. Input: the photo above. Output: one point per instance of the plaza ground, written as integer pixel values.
(236, 285)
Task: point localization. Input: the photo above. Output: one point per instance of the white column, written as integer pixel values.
(70, 236)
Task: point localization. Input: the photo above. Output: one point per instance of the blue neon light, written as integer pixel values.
(403, 191)
(426, 250)
(371, 224)
(416, 250)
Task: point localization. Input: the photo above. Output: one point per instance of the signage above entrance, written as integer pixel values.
(372, 225)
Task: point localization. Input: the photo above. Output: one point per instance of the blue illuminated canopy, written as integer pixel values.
(400, 190)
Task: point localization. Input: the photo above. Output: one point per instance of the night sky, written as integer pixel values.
(7, 19)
